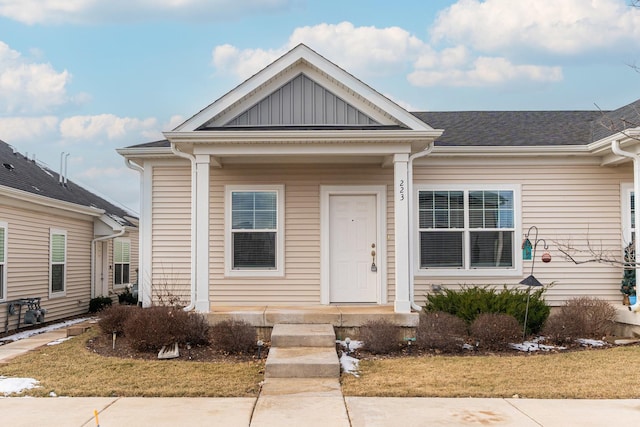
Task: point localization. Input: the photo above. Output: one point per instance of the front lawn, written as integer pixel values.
(583, 374)
(71, 369)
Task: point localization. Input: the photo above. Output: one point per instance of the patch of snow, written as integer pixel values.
(349, 364)
(589, 342)
(59, 341)
(52, 327)
(534, 346)
(466, 346)
(353, 345)
(16, 385)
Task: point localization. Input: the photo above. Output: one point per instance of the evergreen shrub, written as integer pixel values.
(469, 302)
(99, 303)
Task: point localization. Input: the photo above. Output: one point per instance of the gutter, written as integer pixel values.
(412, 224)
(615, 147)
(194, 222)
(93, 257)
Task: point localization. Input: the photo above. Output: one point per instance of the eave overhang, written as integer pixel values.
(49, 202)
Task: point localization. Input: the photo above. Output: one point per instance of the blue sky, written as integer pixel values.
(89, 76)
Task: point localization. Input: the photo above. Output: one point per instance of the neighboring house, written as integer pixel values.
(58, 242)
(305, 187)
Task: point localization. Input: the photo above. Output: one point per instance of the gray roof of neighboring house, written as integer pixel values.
(615, 121)
(21, 173)
(514, 128)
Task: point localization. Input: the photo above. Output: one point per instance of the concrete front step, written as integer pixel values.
(290, 335)
(302, 362)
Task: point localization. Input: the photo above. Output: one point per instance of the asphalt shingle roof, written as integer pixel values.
(618, 120)
(512, 128)
(21, 173)
(519, 128)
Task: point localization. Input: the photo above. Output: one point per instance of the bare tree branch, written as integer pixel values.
(593, 254)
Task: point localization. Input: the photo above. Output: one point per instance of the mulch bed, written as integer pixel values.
(103, 345)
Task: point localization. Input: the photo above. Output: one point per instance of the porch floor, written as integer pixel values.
(340, 316)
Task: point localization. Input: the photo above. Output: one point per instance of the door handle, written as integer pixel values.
(374, 268)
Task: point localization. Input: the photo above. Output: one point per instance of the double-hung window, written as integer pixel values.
(58, 261)
(254, 230)
(628, 213)
(3, 260)
(468, 229)
(121, 261)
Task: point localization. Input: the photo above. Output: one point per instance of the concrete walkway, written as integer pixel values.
(301, 402)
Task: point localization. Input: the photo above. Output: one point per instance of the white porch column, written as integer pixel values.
(202, 232)
(401, 208)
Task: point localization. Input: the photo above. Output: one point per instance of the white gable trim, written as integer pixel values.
(303, 54)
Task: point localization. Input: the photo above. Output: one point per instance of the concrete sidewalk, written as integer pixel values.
(355, 411)
(305, 403)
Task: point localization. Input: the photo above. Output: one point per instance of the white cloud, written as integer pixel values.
(16, 129)
(483, 71)
(109, 125)
(28, 86)
(564, 27)
(91, 11)
(360, 50)
(243, 63)
(367, 51)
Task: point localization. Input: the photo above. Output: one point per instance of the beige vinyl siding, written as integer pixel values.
(568, 203)
(28, 260)
(133, 237)
(171, 240)
(301, 284)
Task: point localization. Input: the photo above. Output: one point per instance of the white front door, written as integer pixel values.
(353, 247)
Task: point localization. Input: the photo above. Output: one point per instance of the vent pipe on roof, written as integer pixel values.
(66, 169)
(62, 176)
(60, 180)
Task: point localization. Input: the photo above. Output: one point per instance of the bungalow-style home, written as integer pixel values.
(305, 189)
(60, 245)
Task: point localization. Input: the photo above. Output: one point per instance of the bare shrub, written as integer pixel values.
(151, 328)
(197, 329)
(113, 318)
(583, 317)
(440, 331)
(380, 336)
(234, 336)
(494, 331)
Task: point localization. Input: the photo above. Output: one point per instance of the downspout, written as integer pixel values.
(93, 258)
(412, 226)
(615, 147)
(141, 261)
(194, 217)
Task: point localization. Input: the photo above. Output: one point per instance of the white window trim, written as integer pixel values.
(121, 285)
(62, 293)
(626, 188)
(3, 291)
(280, 233)
(514, 271)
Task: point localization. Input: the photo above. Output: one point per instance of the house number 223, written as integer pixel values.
(402, 190)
